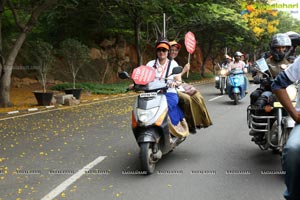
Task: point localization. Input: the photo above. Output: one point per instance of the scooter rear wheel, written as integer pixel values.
(147, 160)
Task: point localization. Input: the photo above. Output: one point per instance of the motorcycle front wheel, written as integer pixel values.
(147, 159)
(222, 87)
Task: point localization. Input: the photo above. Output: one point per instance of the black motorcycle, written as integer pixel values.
(269, 122)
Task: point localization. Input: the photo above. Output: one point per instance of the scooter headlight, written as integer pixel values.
(217, 78)
(146, 115)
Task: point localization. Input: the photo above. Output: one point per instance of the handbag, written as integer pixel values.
(189, 89)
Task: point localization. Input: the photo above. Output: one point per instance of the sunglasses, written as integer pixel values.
(162, 49)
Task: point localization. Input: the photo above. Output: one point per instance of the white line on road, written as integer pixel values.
(215, 98)
(64, 185)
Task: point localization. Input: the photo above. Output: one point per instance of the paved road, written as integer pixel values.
(90, 153)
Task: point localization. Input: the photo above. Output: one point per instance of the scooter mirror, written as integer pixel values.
(177, 70)
(123, 75)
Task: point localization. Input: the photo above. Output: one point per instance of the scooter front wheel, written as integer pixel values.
(235, 98)
(147, 159)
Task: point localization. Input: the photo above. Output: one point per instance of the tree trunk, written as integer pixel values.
(5, 75)
(5, 78)
(205, 56)
(105, 72)
(137, 28)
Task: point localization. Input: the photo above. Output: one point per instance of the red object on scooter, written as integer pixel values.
(143, 75)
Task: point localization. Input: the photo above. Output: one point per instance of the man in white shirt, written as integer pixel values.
(291, 151)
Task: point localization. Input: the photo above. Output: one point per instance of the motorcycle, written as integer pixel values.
(271, 123)
(236, 86)
(220, 80)
(151, 126)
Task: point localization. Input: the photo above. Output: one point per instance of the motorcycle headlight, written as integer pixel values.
(223, 72)
(146, 115)
(217, 78)
(292, 92)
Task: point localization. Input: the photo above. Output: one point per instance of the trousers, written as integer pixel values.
(291, 165)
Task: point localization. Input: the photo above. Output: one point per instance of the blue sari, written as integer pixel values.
(175, 113)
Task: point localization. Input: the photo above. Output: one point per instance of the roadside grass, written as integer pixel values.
(95, 88)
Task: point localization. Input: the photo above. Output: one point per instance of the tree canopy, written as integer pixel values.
(216, 24)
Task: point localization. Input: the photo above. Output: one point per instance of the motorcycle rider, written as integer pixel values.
(194, 107)
(291, 151)
(227, 61)
(279, 48)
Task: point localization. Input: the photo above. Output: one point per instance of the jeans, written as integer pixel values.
(291, 164)
(246, 82)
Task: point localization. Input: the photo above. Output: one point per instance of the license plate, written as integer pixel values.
(150, 94)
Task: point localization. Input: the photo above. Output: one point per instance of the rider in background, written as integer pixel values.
(237, 63)
(227, 61)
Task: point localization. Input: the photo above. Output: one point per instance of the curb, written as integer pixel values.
(32, 111)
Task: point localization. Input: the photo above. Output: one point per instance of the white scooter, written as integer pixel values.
(151, 125)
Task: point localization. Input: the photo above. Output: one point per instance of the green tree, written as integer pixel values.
(76, 55)
(43, 52)
(215, 27)
(287, 23)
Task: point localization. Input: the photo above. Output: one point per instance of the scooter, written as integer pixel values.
(153, 131)
(220, 80)
(236, 86)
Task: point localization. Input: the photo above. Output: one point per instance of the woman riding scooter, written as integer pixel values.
(163, 67)
(157, 120)
(237, 63)
(237, 82)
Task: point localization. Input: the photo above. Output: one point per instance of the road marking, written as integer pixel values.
(215, 98)
(13, 112)
(64, 185)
